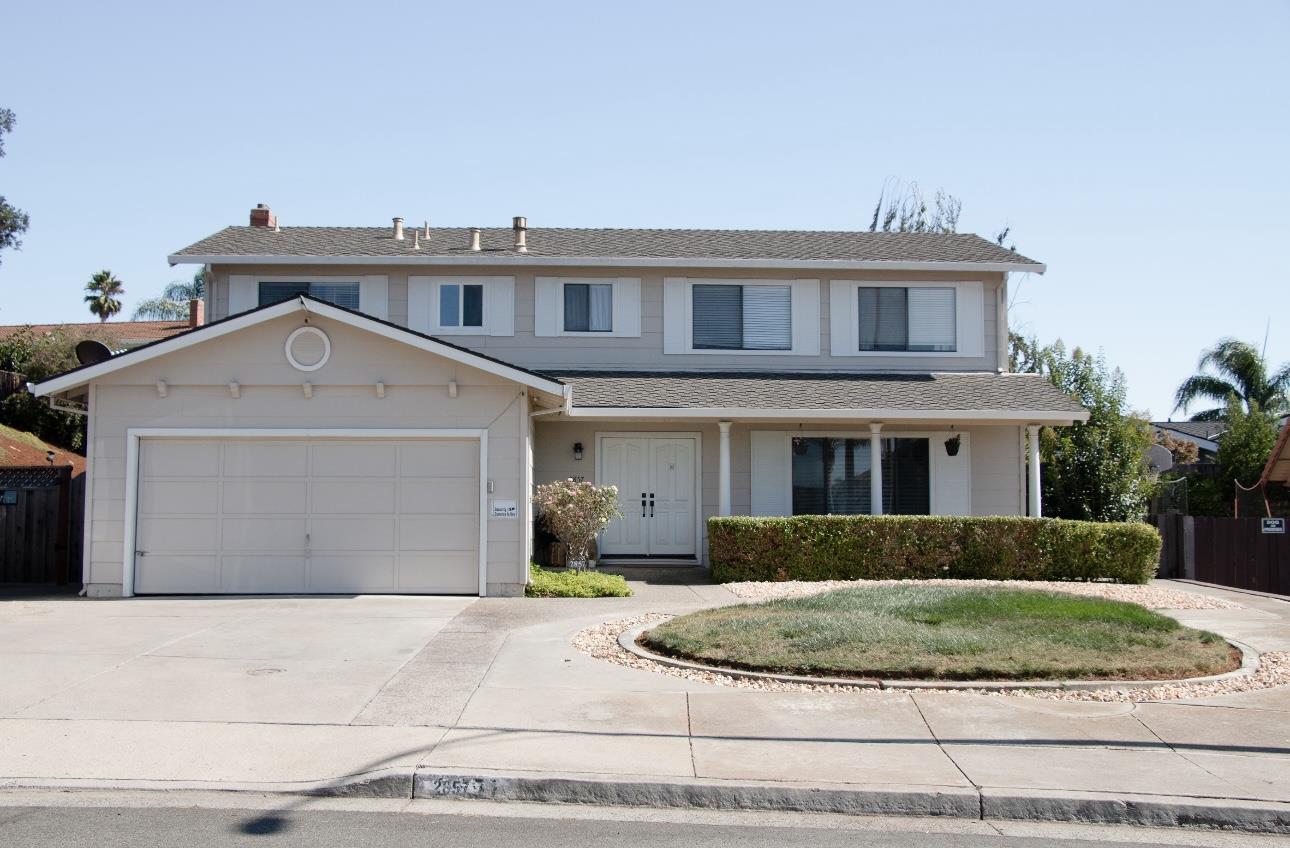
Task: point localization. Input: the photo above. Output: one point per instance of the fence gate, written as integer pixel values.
(1236, 552)
(41, 516)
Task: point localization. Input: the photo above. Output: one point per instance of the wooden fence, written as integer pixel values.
(1226, 551)
(42, 511)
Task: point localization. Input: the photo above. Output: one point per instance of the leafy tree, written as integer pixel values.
(1245, 445)
(1096, 470)
(13, 221)
(1234, 368)
(173, 303)
(39, 356)
(1183, 451)
(103, 294)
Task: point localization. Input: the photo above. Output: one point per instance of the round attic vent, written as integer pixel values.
(308, 349)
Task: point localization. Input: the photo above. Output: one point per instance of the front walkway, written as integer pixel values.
(494, 686)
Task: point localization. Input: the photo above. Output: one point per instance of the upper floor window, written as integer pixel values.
(340, 294)
(741, 317)
(906, 319)
(461, 305)
(588, 307)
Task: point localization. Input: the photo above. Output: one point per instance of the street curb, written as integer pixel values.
(627, 641)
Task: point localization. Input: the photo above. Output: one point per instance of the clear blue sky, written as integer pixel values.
(1140, 149)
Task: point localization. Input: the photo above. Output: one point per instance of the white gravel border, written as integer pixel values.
(1151, 597)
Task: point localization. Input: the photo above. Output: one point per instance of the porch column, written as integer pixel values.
(723, 470)
(875, 469)
(1035, 505)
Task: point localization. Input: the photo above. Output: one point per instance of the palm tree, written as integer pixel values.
(103, 294)
(173, 303)
(1233, 368)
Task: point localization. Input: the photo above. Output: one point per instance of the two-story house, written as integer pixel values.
(369, 409)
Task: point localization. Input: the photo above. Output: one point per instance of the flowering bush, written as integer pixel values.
(576, 513)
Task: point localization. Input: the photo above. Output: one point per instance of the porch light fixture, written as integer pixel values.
(577, 451)
(952, 444)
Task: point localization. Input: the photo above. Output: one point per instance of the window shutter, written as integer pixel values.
(243, 294)
(501, 306)
(627, 307)
(674, 315)
(546, 306)
(970, 306)
(770, 472)
(842, 329)
(932, 320)
(420, 294)
(374, 296)
(806, 317)
(767, 317)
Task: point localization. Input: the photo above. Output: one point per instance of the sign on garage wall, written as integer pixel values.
(503, 509)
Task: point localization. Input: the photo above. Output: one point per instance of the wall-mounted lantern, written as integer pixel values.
(577, 451)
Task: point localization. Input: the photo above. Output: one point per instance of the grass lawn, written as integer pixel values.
(934, 632)
(575, 584)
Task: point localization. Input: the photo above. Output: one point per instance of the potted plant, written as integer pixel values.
(576, 512)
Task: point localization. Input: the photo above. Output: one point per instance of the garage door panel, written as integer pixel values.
(438, 534)
(266, 458)
(299, 515)
(179, 497)
(453, 496)
(449, 573)
(179, 458)
(259, 497)
(177, 535)
(353, 496)
(262, 574)
(173, 573)
(337, 459)
(346, 533)
(354, 573)
(245, 535)
(450, 458)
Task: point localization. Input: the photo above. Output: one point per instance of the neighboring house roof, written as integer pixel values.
(1208, 430)
(83, 374)
(125, 333)
(947, 396)
(1278, 468)
(623, 246)
(18, 448)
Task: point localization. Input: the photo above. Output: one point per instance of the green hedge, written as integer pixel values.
(910, 547)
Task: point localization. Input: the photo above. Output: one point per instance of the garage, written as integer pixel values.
(306, 514)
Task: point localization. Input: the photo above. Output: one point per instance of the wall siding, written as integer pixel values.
(646, 351)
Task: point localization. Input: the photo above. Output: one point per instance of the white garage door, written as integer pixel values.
(262, 516)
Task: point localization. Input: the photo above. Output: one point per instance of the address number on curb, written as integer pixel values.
(1274, 525)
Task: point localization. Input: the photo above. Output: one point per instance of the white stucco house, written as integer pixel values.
(369, 409)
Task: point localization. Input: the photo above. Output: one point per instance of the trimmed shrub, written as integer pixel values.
(920, 547)
(575, 584)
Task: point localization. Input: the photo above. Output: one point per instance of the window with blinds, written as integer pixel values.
(738, 317)
(340, 294)
(588, 308)
(911, 319)
(461, 305)
(831, 476)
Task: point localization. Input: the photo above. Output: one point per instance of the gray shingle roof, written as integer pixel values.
(770, 245)
(1208, 430)
(914, 392)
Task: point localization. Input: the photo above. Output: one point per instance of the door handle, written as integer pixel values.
(642, 504)
(651, 504)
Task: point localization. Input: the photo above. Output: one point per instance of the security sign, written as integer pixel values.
(1274, 525)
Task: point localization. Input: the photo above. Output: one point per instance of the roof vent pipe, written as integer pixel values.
(398, 229)
(474, 239)
(521, 226)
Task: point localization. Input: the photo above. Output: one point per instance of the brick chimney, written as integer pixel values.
(262, 216)
(196, 312)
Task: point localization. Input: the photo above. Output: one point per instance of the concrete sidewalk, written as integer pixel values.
(497, 703)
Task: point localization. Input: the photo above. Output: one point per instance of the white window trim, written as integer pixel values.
(548, 305)
(969, 318)
(935, 439)
(134, 435)
(373, 290)
(499, 305)
(804, 315)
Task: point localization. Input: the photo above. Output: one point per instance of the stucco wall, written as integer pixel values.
(646, 352)
(271, 396)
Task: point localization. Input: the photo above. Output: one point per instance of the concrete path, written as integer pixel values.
(275, 693)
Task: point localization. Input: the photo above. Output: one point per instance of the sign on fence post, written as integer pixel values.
(1273, 525)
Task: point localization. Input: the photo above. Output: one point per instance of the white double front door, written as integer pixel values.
(656, 477)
